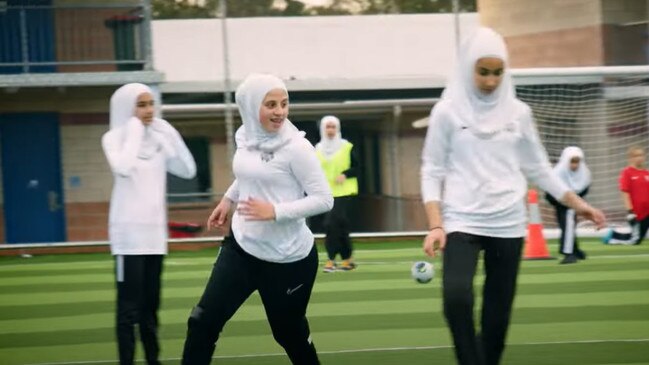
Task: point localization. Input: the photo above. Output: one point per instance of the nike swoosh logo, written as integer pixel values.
(290, 291)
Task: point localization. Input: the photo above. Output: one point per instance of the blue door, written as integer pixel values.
(31, 178)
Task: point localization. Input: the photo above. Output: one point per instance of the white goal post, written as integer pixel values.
(603, 110)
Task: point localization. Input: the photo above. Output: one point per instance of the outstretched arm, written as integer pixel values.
(584, 209)
(536, 166)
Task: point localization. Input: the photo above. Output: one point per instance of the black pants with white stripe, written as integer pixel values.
(567, 220)
(638, 232)
(285, 290)
(138, 300)
(502, 258)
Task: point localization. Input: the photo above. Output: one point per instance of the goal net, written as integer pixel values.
(603, 110)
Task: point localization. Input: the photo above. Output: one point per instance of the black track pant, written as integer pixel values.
(567, 220)
(501, 261)
(138, 300)
(638, 232)
(337, 229)
(285, 290)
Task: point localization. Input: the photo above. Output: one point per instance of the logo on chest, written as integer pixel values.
(510, 127)
(267, 156)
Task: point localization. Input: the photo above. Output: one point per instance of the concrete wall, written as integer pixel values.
(333, 51)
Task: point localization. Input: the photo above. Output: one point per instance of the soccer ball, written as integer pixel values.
(422, 271)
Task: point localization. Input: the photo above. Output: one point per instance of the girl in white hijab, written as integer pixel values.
(340, 165)
(572, 169)
(329, 145)
(140, 150)
(278, 183)
(574, 172)
(480, 149)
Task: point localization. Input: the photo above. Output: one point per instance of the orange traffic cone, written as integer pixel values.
(535, 246)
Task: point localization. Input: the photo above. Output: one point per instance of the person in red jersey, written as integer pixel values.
(634, 185)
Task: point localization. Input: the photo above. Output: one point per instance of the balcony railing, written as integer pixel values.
(41, 36)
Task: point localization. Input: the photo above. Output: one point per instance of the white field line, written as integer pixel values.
(381, 349)
(171, 262)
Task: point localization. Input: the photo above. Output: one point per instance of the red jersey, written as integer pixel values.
(635, 182)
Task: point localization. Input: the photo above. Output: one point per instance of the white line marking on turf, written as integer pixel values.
(605, 257)
(208, 261)
(379, 349)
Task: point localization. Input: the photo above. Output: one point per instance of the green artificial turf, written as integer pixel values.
(60, 309)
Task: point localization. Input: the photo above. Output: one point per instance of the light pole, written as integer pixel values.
(456, 22)
(227, 92)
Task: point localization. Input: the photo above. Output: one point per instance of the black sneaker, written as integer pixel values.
(580, 254)
(570, 259)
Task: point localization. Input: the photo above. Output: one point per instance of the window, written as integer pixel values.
(197, 189)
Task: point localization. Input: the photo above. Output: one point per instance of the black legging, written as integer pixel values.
(337, 229)
(138, 300)
(285, 290)
(501, 261)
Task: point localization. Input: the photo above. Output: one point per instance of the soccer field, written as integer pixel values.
(60, 310)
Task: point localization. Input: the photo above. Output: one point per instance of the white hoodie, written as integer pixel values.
(480, 149)
(280, 168)
(140, 157)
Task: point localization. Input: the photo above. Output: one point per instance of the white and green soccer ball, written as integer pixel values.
(422, 271)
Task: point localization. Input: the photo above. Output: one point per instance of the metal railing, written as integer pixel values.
(75, 37)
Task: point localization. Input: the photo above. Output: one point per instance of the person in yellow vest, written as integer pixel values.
(340, 166)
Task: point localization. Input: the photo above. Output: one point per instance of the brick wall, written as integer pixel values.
(89, 221)
(519, 17)
(553, 33)
(567, 33)
(558, 48)
(86, 176)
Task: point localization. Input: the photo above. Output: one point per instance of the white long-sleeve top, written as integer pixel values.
(481, 182)
(139, 158)
(292, 180)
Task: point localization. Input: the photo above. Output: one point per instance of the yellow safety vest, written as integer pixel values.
(338, 163)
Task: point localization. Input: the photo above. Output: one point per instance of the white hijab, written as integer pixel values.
(485, 115)
(577, 180)
(249, 96)
(329, 146)
(122, 108)
(123, 103)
